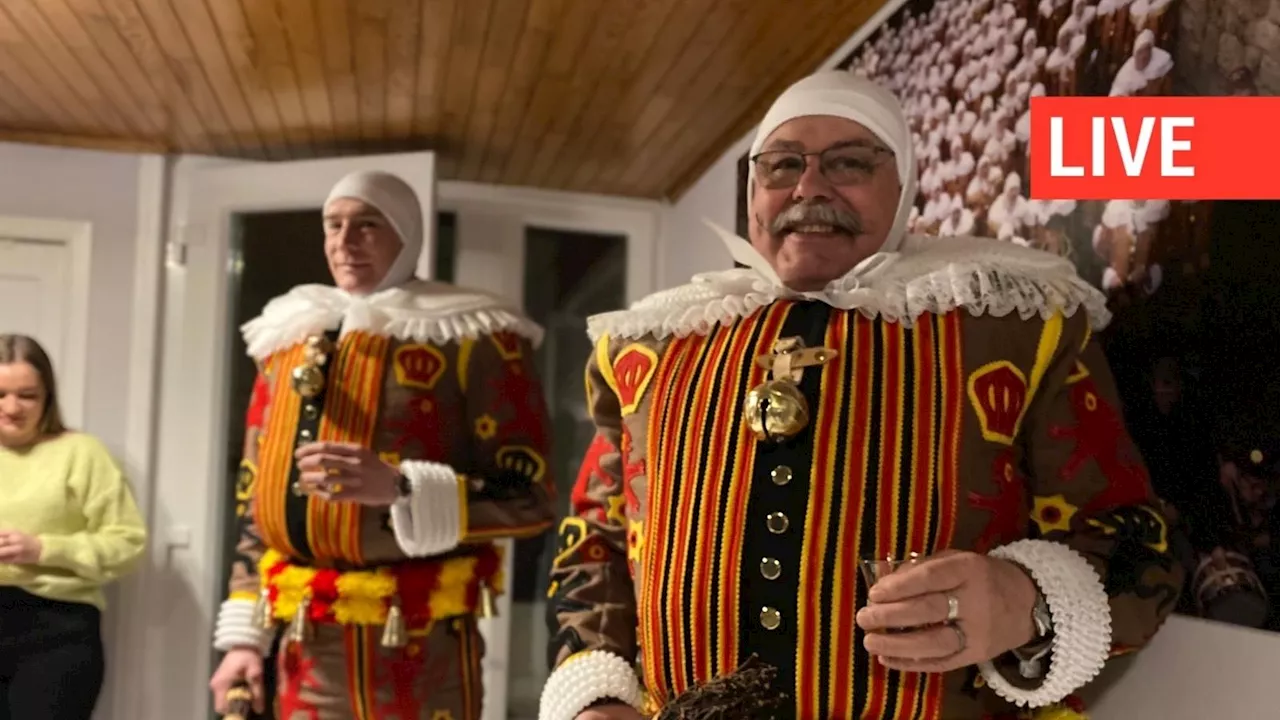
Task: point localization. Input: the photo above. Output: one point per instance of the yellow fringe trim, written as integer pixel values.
(364, 595)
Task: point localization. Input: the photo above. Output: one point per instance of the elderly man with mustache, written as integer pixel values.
(852, 401)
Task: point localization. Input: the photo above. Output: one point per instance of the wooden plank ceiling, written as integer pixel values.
(623, 97)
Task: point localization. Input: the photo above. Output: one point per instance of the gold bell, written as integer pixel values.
(394, 633)
(776, 410)
(300, 628)
(262, 611)
(488, 601)
(308, 380)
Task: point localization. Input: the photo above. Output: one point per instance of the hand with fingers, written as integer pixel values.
(346, 471)
(240, 668)
(19, 548)
(950, 611)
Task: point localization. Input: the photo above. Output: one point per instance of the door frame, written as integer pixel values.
(483, 209)
(490, 253)
(77, 237)
(187, 440)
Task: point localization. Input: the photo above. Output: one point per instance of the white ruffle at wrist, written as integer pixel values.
(585, 678)
(1081, 621)
(235, 628)
(430, 520)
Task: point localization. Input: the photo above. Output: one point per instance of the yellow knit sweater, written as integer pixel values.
(70, 493)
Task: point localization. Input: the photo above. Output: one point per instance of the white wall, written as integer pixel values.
(102, 189)
(687, 246)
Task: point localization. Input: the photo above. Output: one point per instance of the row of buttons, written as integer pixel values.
(309, 412)
(771, 568)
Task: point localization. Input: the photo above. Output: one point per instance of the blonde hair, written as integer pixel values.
(25, 349)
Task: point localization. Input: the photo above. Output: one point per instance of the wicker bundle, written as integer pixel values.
(745, 694)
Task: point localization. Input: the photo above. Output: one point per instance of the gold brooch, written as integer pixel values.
(776, 409)
(308, 378)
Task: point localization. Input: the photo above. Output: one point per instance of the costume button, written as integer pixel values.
(297, 488)
(781, 475)
(770, 568)
(770, 618)
(305, 434)
(777, 522)
(310, 412)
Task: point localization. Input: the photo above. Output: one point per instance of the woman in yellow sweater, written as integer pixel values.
(68, 526)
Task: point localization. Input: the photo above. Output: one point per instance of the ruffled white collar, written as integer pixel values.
(925, 275)
(418, 311)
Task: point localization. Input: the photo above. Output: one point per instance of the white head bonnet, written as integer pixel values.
(842, 94)
(399, 204)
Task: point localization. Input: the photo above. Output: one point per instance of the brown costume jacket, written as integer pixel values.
(424, 372)
(966, 407)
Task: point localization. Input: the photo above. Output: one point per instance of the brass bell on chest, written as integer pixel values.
(776, 410)
(308, 380)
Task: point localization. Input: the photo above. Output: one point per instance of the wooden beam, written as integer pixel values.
(85, 142)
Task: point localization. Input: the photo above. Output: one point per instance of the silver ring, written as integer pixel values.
(964, 641)
(953, 608)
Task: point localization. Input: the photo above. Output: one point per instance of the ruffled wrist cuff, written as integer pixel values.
(1081, 614)
(586, 678)
(235, 628)
(430, 520)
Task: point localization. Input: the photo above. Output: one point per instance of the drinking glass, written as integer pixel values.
(876, 568)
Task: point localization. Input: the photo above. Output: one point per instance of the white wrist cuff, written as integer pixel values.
(585, 678)
(1081, 614)
(235, 628)
(429, 521)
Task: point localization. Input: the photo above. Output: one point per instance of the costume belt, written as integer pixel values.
(405, 597)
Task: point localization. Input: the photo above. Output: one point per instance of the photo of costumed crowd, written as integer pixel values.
(965, 71)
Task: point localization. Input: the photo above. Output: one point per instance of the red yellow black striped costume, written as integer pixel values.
(960, 421)
(438, 381)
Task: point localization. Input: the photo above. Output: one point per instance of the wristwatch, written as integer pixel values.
(1030, 656)
(403, 486)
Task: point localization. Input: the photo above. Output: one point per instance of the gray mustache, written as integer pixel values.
(816, 214)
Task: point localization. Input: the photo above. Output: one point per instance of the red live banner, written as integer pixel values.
(1155, 148)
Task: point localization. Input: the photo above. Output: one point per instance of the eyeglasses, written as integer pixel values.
(841, 165)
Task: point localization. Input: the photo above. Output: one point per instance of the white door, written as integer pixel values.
(207, 196)
(33, 291)
(44, 293)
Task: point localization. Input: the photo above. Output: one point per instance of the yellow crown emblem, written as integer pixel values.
(419, 366)
(524, 461)
(999, 395)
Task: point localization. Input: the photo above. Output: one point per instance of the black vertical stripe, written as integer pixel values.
(677, 481)
(295, 505)
(842, 494)
(939, 404)
(709, 445)
(777, 647)
(721, 595)
(913, 486)
(870, 493)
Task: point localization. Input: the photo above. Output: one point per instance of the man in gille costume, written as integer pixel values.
(853, 399)
(396, 429)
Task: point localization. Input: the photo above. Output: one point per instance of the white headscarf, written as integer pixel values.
(840, 93)
(397, 201)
